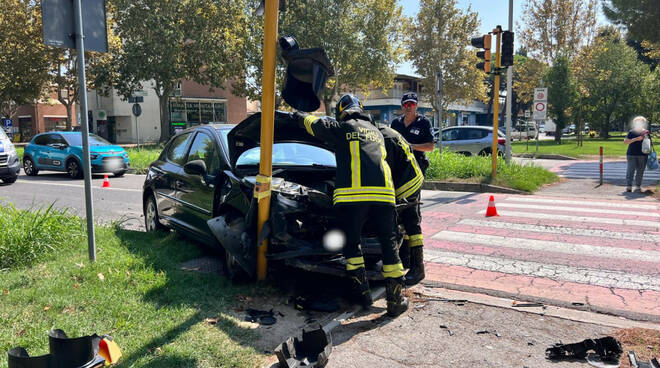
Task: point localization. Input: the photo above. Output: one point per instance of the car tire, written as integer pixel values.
(485, 152)
(151, 219)
(74, 169)
(119, 174)
(9, 180)
(29, 167)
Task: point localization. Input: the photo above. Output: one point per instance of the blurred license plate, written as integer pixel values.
(115, 163)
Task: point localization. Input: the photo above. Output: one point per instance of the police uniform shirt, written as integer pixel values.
(418, 132)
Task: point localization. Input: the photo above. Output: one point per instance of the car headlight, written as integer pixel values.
(93, 156)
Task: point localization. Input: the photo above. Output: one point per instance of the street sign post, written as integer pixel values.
(540, 109)
(63, 27)
(137, 111)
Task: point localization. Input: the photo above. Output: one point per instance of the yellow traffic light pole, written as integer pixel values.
(496, 100)
(262, 187)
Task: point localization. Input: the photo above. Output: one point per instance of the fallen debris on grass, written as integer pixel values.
(312, 350)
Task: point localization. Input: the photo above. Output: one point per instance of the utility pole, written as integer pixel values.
(438, 102)
(496, 100)
(509, 94)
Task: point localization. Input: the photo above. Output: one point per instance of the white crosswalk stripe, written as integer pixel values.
(611, 171)
(579, 209)
(583, 203)
(602, 220)
(550, 246)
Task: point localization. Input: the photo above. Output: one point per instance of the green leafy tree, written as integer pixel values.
(439, 39)
(528, 74)
(165, 41)
(611, 82)
(23, 61)
(361, 37)
(550, 28)
(562, 93)
(640, 17)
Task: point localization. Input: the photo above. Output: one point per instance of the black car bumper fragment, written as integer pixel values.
(10, 171)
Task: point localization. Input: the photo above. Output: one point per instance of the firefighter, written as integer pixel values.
(363, 189)
(408, 178)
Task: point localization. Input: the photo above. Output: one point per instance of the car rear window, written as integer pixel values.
(41, 140)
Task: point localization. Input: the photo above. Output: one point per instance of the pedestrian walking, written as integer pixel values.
(408, 179)
(415, 128)
(635, 154)
(363, 190)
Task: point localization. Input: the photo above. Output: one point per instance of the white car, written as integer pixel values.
(10, 165)
(471, 140)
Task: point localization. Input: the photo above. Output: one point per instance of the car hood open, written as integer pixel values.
(247, 134)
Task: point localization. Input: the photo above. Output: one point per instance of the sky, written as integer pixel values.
(491, 14)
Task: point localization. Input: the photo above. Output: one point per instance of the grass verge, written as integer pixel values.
(612, 147)
(140, 160)
(451, 166)
(136, 293)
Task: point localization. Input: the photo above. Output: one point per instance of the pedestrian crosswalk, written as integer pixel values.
(612, 171)
(599, 253)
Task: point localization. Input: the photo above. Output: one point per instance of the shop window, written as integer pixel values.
(220, 110)
(192, 113)
(206, 112)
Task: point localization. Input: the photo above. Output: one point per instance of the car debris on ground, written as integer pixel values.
(653, 363)
(312, 350)
(606, 351)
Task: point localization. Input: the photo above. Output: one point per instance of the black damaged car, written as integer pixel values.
(203, 186)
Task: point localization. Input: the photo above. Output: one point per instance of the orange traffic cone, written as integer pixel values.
(106, 182)
(491, 210)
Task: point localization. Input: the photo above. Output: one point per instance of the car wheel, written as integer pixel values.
(485, 152)
(151, 220)
(119, 174)
(73, 169)
(29, 168)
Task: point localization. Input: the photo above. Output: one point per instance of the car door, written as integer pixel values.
(39, 151)
(167, 172)
(472, 140)
(58, 151)
(449, 138)
(195, 192)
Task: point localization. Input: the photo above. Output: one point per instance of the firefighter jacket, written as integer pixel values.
(363, 175)
(406, 174)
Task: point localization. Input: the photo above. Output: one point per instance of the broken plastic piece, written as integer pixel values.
(608, 348)
(265, 318)
(109, 350)
(313, 350)
(653, 363)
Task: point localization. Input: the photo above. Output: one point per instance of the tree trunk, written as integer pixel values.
(164, 117)
(605, 128)
(69, 118)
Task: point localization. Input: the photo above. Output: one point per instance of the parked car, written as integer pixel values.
(202, 185)
(524, 130)
(471, 140)
(62, 151)
(10, 165)
(542, 128)
(569, 129)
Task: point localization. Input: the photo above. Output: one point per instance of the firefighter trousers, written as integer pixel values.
(351, 219)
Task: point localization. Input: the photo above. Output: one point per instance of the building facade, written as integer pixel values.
(45, 115)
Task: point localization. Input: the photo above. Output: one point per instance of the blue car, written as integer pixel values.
(62, 151)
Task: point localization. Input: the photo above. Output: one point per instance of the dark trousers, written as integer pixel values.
(411, 219)
(351, 220)
(636, 166)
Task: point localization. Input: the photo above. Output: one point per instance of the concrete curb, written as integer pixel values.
(544, 156)
(468, 187)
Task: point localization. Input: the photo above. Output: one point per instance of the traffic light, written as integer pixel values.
(306, 73)
(483, 42)
(507, 49)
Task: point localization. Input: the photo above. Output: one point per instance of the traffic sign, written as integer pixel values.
(540, 94)
(7, 123)
(137, 110)
(135, 99)
(527, 113)
(140, 93)
(540, 110)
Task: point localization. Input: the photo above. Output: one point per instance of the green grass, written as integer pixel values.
(477, 169)
(140, 160)
(28, 236)
(612, 147)
(136, 293)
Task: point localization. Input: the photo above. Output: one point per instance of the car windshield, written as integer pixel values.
(94, 140)
(290, 154)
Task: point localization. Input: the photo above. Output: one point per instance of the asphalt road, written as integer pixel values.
(122, 201)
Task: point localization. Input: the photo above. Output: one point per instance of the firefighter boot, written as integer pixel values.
(396, 302)
(360, 292)
(416, 272)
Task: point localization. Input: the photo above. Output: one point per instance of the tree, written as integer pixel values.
(23, 63)
(438, 41)
(165, 41)
(361, 37)
(611, 80)
(641, 17)
(561, 93)
(528, 74)
(550, 28)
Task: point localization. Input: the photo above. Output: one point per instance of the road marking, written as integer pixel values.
(561, 230)
(578, 209)
(635, 205)
(552, 216)
(581, 275)
(75, 185)
(549, 246)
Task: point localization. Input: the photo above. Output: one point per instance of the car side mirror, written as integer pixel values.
(195, 167)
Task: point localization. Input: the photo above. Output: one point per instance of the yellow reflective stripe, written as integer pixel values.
(263, 179)
(386, 168)
(416, 240)
(416, 181)
(353, 199)
(393, 271)
(354, 191)
(309, 120)
(355, 164)
(412, 190)
(354, 263)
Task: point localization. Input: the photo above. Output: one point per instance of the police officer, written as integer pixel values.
(363, 189)
(408, 178)
(415, 128)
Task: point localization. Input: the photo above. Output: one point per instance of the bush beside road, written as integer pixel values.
(450, 166)
(135, 292)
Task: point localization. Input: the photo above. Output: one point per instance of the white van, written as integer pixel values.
(10, 165)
